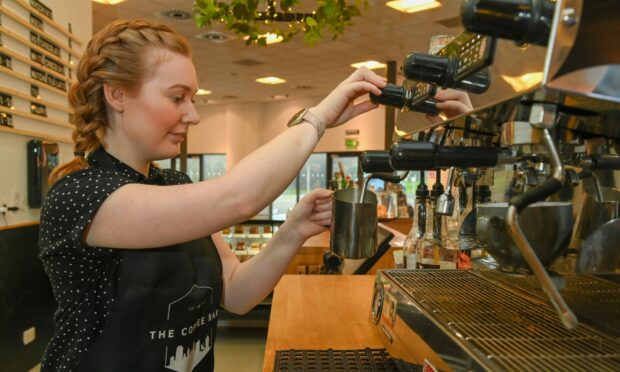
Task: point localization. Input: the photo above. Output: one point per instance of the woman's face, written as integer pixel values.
(157, 117)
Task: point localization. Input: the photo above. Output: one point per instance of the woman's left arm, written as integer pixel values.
(247, 284)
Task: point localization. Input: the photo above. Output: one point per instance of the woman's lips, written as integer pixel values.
(178, 137)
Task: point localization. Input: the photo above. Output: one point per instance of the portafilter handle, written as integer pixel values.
(520, 202)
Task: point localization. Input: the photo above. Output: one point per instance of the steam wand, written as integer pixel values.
(520, 202)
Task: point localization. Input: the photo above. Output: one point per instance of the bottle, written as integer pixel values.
(450, 228)
(428, 246)
(418, 225)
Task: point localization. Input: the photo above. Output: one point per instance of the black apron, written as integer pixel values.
(165, 314)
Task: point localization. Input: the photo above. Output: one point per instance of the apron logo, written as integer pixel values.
(192, 344)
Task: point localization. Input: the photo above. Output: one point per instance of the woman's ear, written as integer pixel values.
(115, 97)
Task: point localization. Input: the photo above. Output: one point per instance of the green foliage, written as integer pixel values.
(240, 16)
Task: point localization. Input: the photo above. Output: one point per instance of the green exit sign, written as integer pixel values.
(351, 143)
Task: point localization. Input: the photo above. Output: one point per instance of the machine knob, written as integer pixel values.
(525, 21)
(376, 162)
(430, 68)
(477, 83)
(392, 95)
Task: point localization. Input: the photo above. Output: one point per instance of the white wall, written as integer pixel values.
(13, 147)
(239, 129)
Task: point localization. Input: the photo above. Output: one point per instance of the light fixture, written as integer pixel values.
(369, 65)
(202, 92)
(270, 38)
(412, 6)
(279, 96)
(270, 80)
(523, 82)
(109, 2)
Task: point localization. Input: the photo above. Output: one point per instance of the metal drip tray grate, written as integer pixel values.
(336, 360)
(502, 328)
(594, 300)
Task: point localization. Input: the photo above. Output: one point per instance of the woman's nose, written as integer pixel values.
(191, 117)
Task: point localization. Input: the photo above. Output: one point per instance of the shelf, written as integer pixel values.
(18, 225)
(30, 27)
(26, 133)
(35, 64)
(28, 43)
(35, 99)
(27, 115)
(50, 22)
(30, 80)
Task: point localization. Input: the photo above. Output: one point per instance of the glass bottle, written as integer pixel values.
(450, 229)
(428, 246)
(418, 226)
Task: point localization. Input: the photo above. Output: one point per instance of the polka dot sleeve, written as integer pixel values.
(77, 198)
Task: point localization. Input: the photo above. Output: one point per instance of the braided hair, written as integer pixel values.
(115, 55)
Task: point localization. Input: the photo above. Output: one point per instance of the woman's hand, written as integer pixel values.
(312, 215)
(338, 108)
(452, 103)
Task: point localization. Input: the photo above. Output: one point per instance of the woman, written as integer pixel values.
(139, 270)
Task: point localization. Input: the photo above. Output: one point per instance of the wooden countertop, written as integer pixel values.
(320, 312)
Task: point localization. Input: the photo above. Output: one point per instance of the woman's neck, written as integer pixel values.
(124, 153)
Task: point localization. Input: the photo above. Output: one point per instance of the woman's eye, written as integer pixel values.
(177, 99)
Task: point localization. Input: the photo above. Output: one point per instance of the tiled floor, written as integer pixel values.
(240, 349)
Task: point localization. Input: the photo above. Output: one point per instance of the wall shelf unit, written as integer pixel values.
(29, 26)
(30, 80)
(49, 21)
(34, 64)
(27, 115)
(35, 99)
(28, 43)
(27, 133)
(51, 61)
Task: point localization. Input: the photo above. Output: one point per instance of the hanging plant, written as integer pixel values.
(246, 19)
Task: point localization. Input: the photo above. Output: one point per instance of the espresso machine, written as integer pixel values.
(544, 135)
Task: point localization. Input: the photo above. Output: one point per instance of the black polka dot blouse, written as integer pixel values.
(85, 279)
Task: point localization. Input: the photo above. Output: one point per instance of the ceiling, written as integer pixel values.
(381, 33)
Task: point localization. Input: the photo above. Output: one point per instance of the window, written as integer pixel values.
(200, 167)
(213, 165)
(313, 175)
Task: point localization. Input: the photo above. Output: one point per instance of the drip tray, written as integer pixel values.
(503, 328)
(339, 360)
(592, 299)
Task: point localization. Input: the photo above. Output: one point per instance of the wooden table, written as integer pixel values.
(320, 312)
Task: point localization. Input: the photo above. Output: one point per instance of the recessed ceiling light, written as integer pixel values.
(279, 96)
(412, 6)
(270, 80)
(271, 38)
(176, 14)
(215, 37)
(108, 2)
(369, 65)
(202, 92)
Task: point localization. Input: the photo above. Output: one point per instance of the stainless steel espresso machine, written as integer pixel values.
(543, 137)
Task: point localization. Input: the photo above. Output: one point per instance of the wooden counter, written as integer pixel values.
(320, 312)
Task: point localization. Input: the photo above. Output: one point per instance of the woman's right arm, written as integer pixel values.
(143, 216)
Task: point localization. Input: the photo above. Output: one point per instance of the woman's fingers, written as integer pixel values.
(452, 108)
(322, 207)
(321, 216)
(364, 74)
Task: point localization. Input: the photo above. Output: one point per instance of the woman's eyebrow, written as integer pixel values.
(184, 87)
